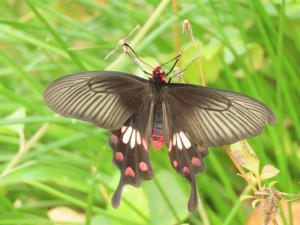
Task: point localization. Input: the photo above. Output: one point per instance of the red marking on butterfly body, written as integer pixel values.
(159, 73)
(157, 138)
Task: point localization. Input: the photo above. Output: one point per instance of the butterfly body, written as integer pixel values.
(186, 118)
(157, 127)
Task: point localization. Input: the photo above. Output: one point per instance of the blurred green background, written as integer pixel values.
(63, 172)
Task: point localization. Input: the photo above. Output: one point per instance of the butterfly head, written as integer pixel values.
(159, 74)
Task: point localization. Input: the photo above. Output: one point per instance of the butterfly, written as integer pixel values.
(139, 112)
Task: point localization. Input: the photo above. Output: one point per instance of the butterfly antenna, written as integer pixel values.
(177, 58)
(122, 41)
(134, 59)
(128, 50)
(127, 47)
(180, 72)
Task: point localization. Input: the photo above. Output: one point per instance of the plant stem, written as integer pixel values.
(176, 29)
(188, 28)
(154, 16)
(25, 147)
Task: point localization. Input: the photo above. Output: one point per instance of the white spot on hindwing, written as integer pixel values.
(127, 135)
(181, 140)
(123, 129)
(138, 137)
(185, 140)
(174, 139)
(179, 144)
(132, 140)
(131, 136)
(170, 146)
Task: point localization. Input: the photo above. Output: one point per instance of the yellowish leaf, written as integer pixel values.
(254, 57)
(244, 155)
(269, 171)
(65, 214)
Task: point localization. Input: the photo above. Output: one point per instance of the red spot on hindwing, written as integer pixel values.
(175, 163)
(186, 170)
(145, 145)
(129, 172)
(143, 166)
(195, 161)
(119, 156)
(114, 139)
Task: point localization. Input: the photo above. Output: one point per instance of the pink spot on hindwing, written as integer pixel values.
(170, 145)
(195, 161)
(143, 166)
(114, 139)
(119, 156)
(186, 170)
(145, 145)
(175, 163)
(129, 172)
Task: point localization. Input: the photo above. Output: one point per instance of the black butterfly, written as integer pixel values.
(187, 118)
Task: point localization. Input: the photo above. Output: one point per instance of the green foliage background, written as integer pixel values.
(249, 46)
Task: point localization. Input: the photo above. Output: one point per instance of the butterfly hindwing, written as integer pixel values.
(105, 98)
(185, 156)
(130, 145)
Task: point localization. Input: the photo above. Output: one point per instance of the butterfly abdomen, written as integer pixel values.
(157, 128)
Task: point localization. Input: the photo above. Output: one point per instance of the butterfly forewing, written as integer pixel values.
(104, 98)
(215, 117)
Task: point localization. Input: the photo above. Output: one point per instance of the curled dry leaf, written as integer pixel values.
(244, 155)
(269, 171)
(255, 202)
